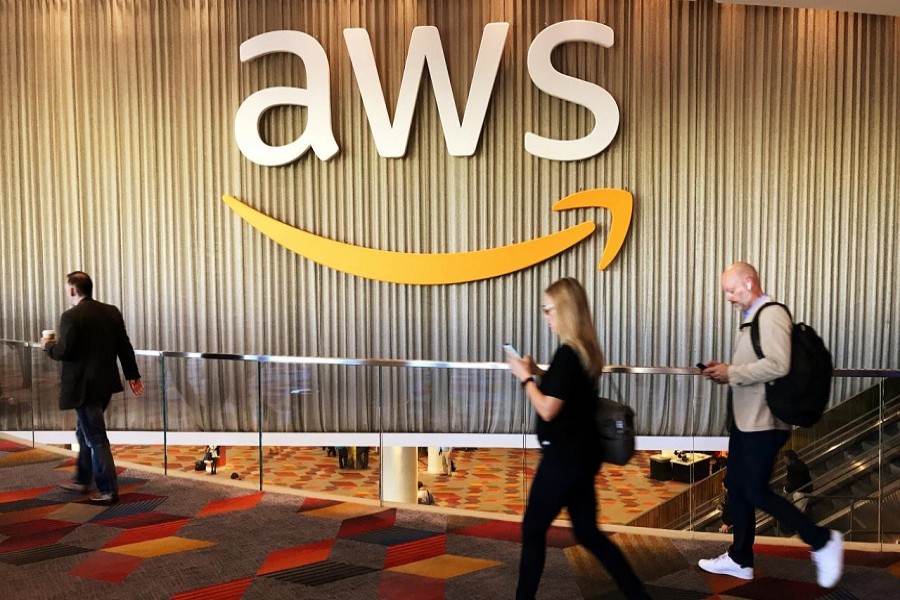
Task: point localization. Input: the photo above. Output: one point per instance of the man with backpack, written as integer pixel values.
(756, 434)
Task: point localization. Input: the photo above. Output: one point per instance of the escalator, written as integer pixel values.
(851, 466)
(850, 470)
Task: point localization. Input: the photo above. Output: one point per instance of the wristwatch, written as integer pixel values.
(530, 378)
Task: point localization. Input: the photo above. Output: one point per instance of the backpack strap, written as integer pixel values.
(754, 327)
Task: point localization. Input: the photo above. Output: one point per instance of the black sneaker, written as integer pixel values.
(105, 498)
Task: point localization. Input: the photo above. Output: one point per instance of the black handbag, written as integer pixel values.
(615, 429)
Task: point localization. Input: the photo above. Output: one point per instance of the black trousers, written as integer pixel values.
(751, 458)
(567, 479)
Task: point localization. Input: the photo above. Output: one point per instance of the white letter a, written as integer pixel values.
(318, 133)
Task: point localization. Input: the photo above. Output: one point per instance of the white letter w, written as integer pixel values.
(425, 46)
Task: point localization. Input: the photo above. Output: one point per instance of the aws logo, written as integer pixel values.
(460, 134)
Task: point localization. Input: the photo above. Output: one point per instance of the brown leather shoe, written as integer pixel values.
(74, 486)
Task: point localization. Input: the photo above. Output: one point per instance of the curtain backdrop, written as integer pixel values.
(762, 134)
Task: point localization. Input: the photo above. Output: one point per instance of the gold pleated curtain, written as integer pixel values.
(760, 134)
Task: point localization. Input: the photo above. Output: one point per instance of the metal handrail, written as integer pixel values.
(439, 364)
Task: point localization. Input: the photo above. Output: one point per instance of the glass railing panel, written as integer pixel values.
(292, 400)
(45, 388)
(415, 400)
(486, 417)
(209, 395)
(212, 403)
(417, 417)
(16, 389)
(465, 426)
(135, 424)
(486, 420)
(284, 422)
(127, 412)
(320, 425)
(672, 481)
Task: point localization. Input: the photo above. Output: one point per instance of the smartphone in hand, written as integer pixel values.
(701, 366)
(511, 351)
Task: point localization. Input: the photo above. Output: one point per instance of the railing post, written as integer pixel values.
(852, 506)
(379, 389)
(29, 366)
(259, 419)
(165, 413)
(879, 505)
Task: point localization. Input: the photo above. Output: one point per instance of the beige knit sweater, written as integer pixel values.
(747, 374)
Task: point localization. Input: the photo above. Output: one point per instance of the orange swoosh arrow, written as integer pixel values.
(619, 202)
(455, 267)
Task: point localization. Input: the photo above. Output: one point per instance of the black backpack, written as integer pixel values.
(800, 397)
(615, 426)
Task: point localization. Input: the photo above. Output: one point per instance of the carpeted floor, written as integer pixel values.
(191, 538)
(486, 479)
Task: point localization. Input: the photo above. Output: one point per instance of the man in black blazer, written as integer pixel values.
(91, 335)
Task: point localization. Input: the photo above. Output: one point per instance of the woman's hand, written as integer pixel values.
(521, 367)
(533, 368)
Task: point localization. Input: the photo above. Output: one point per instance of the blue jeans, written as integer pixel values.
(95, 459)
(751, 458)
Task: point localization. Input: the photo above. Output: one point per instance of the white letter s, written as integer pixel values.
(593, 97)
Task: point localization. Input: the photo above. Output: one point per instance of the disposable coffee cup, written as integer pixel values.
(50, 334)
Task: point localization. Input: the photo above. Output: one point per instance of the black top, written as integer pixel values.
(574, 428)
(91, 337)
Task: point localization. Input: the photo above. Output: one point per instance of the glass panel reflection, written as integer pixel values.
(126, 412)
(320, 428)
(211, 395)
(318, 398)
(16, 390)
(212, 413)
(45, 389)
(467, 425)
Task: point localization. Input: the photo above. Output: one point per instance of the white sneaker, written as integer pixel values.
(724, 565)
(830, 561)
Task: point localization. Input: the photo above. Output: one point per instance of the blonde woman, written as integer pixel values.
(565, 402)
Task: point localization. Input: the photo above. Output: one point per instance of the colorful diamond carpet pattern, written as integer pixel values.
(187, 539)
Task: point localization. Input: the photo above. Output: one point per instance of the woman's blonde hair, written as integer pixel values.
(574, 323)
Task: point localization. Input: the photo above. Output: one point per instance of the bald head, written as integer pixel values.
(742, 269)
(740, 282)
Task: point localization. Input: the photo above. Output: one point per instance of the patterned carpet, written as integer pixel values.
(176, 538)
(487, 479)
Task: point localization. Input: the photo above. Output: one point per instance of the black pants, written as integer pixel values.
(567, 479)
(751, 458)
